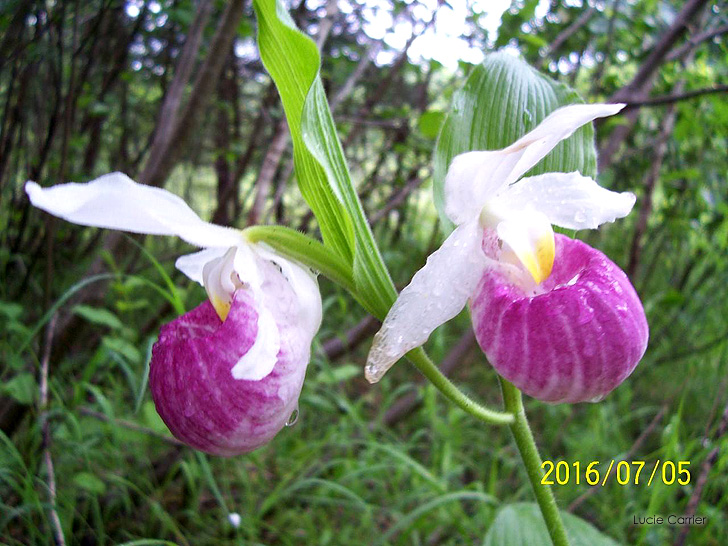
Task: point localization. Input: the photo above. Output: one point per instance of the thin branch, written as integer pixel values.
(46, 433)
(696, 41)
(677, 97)
(569, 31)
(396, 200)
(339, 345)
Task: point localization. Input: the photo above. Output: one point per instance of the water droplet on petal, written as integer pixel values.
(293, 419)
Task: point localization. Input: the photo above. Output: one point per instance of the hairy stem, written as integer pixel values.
(532, 461)
(423, 363)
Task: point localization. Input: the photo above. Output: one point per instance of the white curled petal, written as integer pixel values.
(261, 358)
(247, 266)
(115, 201)
(305, 287)
(221, 281)
(529, 239)
(557, 126)
(569, 200)
(193, 264)
(473, 178)
(437, 293)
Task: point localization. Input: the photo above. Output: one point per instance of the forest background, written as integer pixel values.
(174, 94)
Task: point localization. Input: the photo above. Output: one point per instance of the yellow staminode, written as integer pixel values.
(222, 307)
(529, 240)
(541, 261)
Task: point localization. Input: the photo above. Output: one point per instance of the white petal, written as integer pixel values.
(305, 287)
(474, 178)
(557, 126)
(569, 200)
(437, 293)
(221, 281)
(261, 358)
(193, 264)
(115, 201)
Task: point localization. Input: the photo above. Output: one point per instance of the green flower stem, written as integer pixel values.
(423, 363)
(306, 250)
(532, 461)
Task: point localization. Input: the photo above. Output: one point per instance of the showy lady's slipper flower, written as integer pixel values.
(226, 376)
(554, 316)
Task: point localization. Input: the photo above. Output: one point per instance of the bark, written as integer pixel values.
(115, 56)
(165, 159)
(695, 41)
(705, 470)
(677, 97)
(398, 198)
(224, 131)
(346, 89)
(380, 90)
(172, 103)
(268, 170)
(338, 346)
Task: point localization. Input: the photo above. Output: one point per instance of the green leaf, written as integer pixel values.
(293, 61)
(95, 315)
(89, 482)
(502, 100)
(430, 122)
(522, 524)
(22, 388)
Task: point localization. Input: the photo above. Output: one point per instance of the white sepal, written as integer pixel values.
(557, 126)
(437, 293)
(115, 201)
(569, 200)
(474, 178)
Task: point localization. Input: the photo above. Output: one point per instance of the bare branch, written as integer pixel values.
(405, 405)
(339, 345)
(46, 433)
(695, 41)
(569, 31)
(676, 97)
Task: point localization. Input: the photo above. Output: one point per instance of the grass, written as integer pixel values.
(339, 476)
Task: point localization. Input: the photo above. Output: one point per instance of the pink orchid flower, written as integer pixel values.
(554, 316)
(226, 376)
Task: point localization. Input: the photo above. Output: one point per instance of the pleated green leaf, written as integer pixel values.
(502, 100)
(292, 59)
(522, 524)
